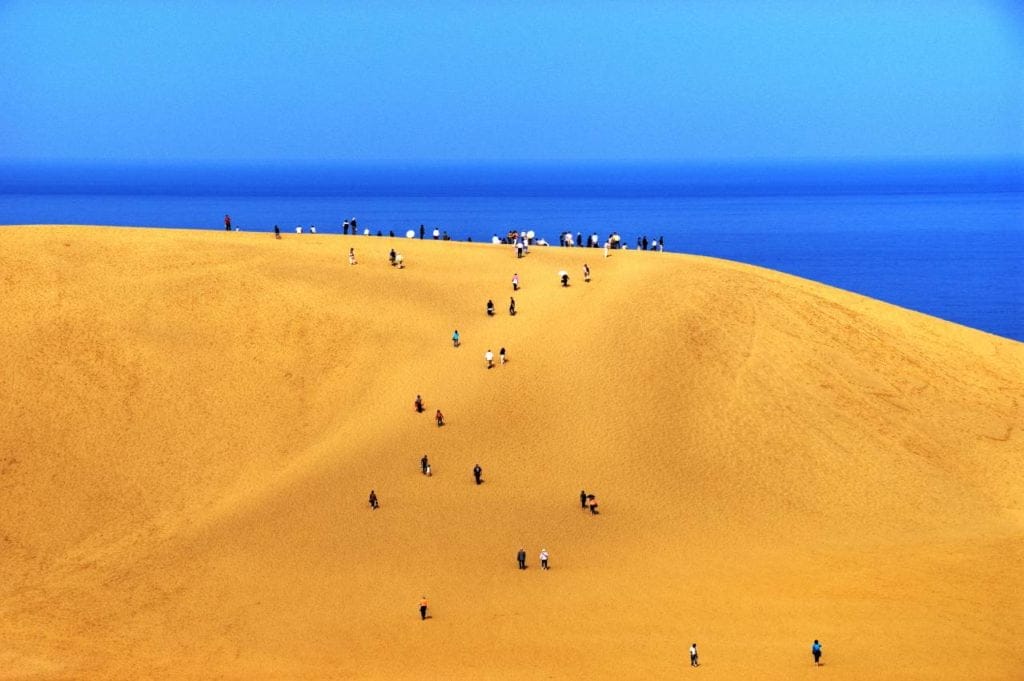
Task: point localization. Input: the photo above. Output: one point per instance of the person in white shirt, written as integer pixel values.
(693, 656)
(544, 559)
(489, 356)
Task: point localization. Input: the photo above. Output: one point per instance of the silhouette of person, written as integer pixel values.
(477, 472)
(373, 500)
(423, 608)
(440, 418)
(424, 464)
(521, 557)
(816, 652)
(419, 404)
(583, 499)
(490, 308)
(693, 656)
(512, 306)
(277, 232)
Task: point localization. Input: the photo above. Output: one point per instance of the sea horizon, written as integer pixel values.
(946, 239)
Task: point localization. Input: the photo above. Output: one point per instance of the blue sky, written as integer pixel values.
(703, 82)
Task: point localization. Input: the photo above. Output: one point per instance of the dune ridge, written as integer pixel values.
(194, 421)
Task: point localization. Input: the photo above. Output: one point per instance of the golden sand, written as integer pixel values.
(192, 423)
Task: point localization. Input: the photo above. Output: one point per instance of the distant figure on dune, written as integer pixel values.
(544, 559)
(592, 504)
(423, 608)
(351, 256)
(477, 472)
(501, 356)
(565, 279)
(816, 652)
(227, 222)
(312, 229)
(298, 229)
(693, 656)
(391, 257)
(586, 273)
(424, 464)
(515, 281)
(606, 244)
(439, 417)
(344, 227)
(418, 404)
(373, 500)
(455, 338)
(400, 261)
(489, 356)
(277, 232)
(428, 471)
(490, 308)
(519, 249)
(436, 234)
(512, 306)
(583, 499)
(521, 558)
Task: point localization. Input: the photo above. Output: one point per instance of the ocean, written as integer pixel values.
(944, 240)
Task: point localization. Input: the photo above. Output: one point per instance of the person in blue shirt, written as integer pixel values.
(455, 338)
(816, 651)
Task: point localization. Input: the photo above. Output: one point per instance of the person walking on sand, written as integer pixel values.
(391, 257)
(583, 499)
(693, 656)
(515, 281)
(440, 418)
(424, 464)
(592, 503)
(816, 652)
(428, 471)
(586, 273)
(477, 472)
(521, 557)
(277, 232)
(373, 500)
(490, 308)
(351, 256)
(544, 559)
(455, 338)
(512, 306)
(423, 608)
(418, 404)
(501, 356)
(489, 356)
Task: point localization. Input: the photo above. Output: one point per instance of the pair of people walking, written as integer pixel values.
(521, 558)
(489, 357)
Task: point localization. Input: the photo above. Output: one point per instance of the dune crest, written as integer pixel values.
(194, 421)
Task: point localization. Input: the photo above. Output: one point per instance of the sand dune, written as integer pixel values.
(193, 422)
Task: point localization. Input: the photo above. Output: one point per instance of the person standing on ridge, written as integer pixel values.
(693, 656)
(423, 231)
(373, 500)
(816, 652)
(521, 558)
(277, 232)
(477, 472)
(423, 608)
(227, 222)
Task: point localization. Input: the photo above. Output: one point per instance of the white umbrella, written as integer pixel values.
(411, 234)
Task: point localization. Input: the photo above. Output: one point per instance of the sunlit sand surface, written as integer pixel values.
(193, 421)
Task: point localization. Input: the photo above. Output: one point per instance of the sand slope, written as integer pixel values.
(193, 421)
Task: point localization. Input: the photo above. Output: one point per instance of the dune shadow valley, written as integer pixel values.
(193, 422)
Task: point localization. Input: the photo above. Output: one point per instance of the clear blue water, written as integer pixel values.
(952, 249)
